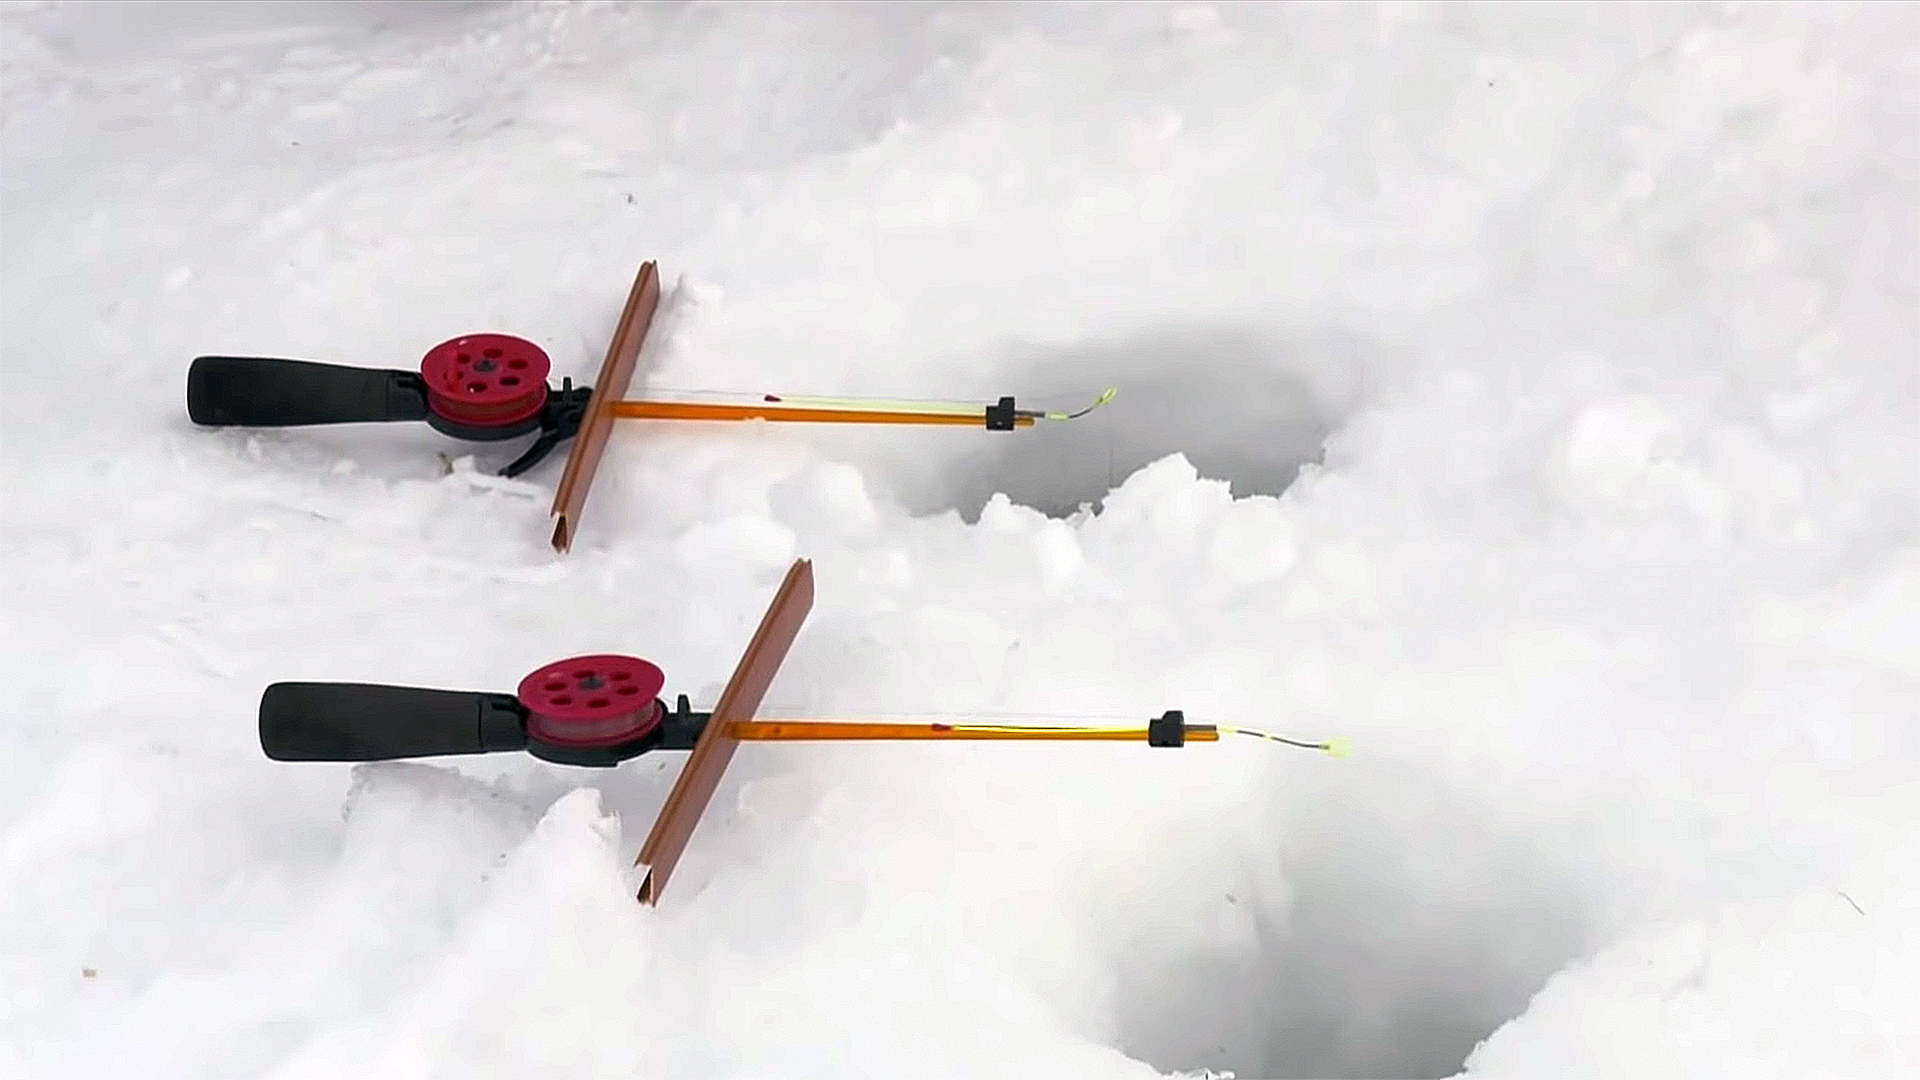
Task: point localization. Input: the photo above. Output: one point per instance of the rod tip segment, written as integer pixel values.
(1106, 396)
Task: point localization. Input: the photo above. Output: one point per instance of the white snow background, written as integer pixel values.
(1526, 393)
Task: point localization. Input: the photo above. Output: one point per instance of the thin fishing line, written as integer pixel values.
(1105, 396)
(1336, 747)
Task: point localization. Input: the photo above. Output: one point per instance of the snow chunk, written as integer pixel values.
(829, 499)
(736, 545)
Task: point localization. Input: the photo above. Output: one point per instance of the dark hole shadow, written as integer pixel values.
(1235, 402)
(1392, 957)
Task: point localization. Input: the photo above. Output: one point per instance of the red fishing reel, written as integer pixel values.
(596, 702)
(485, 386)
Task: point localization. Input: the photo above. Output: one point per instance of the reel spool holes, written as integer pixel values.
(485, 386)
(598, 702)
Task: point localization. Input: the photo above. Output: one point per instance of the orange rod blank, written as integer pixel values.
(683, 410)
(823, 730)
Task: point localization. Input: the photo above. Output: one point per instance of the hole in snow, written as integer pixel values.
(1240, 406)
(1409, 927)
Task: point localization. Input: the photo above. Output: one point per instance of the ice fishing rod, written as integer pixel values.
(602, 709)
(594, 710)
(605, 708)
(493, 387)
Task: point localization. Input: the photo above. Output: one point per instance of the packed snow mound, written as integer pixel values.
(1524, 395)
(1821, 982)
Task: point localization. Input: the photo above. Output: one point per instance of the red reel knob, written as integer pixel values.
(593, 702)
(486, 380)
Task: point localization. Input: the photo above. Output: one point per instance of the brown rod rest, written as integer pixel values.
(616, 374)
(700, 776)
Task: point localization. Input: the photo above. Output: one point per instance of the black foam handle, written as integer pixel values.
(261, 391)
(310, 721)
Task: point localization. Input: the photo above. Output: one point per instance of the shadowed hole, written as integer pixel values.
(1414, 922)
(1241, 406)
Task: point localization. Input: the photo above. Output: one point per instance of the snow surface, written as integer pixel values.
(1526, 393)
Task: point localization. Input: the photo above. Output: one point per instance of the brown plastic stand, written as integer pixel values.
(616, 373)
(711, 754)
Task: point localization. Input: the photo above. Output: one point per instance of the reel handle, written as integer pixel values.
(316, 721)
(260, 391)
